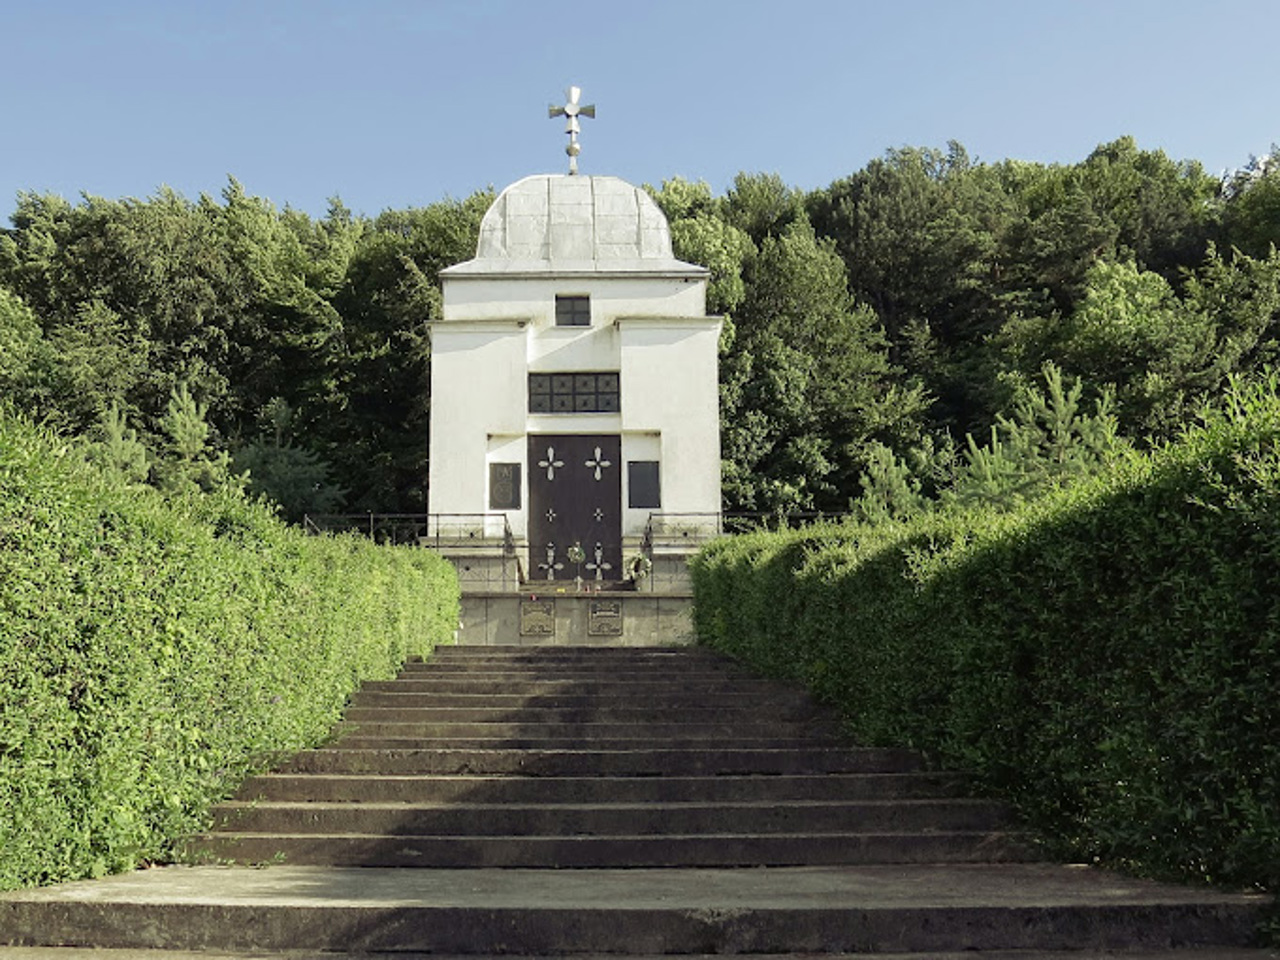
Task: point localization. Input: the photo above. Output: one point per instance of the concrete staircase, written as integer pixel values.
(600, 758)
(703, 811)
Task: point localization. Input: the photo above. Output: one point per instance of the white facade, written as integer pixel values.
(504, 372)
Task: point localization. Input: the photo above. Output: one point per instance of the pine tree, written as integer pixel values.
(890, 490)
(188, 463)
(117, 448)
(1047, 440)
(294, 478)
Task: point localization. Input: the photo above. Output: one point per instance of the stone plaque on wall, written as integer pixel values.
(643, 489)
(504, 486)
(604, 618)
(537, 618)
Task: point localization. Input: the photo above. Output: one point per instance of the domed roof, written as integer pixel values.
(572, 224)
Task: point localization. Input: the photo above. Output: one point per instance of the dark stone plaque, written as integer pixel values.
(504, 486)
(642, 484)
(604, 618)
(537, 618)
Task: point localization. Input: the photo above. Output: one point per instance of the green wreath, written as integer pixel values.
(576, 554)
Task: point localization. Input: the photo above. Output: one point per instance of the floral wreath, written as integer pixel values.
(639, 566)
(576, 554)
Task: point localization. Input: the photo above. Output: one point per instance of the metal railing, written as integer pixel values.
(419, 529)
(675, 530)
(749, 522)
(469, 529)
(391, 528)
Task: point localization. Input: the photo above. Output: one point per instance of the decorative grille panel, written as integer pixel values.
(590, 392)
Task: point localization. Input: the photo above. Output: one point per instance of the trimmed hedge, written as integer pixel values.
(1107, 657)
(155, 650)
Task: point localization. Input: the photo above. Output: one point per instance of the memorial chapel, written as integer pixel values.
(574, 379)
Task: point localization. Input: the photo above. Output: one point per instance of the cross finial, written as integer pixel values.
(571, 111)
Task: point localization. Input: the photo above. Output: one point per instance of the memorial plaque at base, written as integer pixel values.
(537, 618)
(604, 618)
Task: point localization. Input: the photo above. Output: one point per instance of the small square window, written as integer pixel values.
(573, 311)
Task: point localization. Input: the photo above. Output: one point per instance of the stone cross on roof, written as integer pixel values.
(571, 110)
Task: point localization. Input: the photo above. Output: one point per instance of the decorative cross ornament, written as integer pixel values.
(598, 463)
(571, 111)
(551, 463)
(600, 565)
(551, 566)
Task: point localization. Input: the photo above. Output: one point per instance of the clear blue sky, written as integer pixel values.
(397, 103)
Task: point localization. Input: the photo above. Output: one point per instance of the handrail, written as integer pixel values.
(421, 529)
(699, 527)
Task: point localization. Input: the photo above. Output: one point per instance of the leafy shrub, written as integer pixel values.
(1107, 656)
(154, 650)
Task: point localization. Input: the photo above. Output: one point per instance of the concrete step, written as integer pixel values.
(349, 788)
(652, 700)
(601, 819)
(387, 708)
(588, 667)
(577, 671)
(508, 653)
(595, 659)
(359, 741)
(582, 732)
(928, 909)
(635, 763)
(560, 852)
(664, 688)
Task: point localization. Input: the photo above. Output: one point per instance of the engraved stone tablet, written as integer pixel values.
(604, 618)
(537, 618)
(504, 486)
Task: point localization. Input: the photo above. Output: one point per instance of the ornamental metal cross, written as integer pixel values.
(598, 463)
(551, 463)
(571, 111)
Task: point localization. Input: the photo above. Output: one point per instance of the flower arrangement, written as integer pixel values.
(638, 567)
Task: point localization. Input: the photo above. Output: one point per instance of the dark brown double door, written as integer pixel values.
(575, 504)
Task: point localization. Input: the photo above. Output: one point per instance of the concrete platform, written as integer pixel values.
(638, 911)
(645, 619)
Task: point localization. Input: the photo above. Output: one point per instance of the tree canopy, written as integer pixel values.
(886, 336)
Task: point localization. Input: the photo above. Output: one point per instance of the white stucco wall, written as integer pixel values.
(488, 297)
(671, 388)
(478, 388)
(648, 323)
(669, 397)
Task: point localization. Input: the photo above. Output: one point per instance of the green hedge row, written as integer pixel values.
(1107, 657)
(153, 651)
